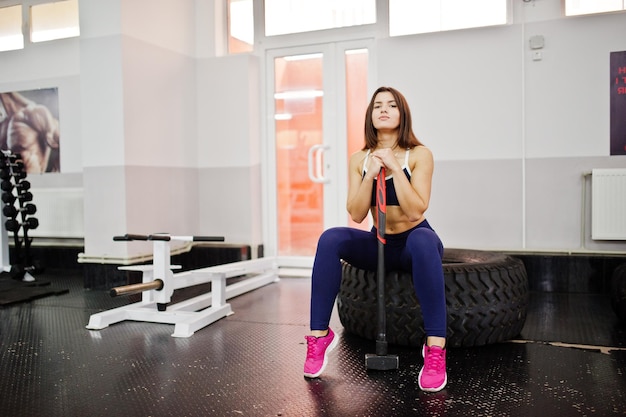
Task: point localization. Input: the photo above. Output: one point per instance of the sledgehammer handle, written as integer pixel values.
(381, 207)
(381, 361)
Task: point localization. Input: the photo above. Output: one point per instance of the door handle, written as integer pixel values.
(316, 170)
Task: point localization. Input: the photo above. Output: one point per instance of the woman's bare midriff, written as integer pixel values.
(395, 221)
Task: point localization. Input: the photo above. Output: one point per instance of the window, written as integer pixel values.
(411, 17)
(48, 21)
(51, 21)
(240, 26)
(578, 7)
(11, 37)
(295, 16)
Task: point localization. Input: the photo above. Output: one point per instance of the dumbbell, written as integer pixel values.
(12, 211)
(8, 156)
(18, 271)
(7, 185)
(5, 174)
(13, 225)
(9, 198)
(18, 170)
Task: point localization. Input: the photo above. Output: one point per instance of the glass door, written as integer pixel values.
(317, 99)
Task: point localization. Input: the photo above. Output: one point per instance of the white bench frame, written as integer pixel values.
(195, 313)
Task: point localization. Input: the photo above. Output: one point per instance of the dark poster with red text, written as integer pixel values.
(618, 103)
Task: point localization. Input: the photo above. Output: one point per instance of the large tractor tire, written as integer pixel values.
(486, 299)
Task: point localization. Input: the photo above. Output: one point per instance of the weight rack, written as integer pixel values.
(17, 215)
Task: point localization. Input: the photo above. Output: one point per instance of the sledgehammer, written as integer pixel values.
(381, 361)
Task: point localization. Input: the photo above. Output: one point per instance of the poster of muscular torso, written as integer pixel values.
(29, 126)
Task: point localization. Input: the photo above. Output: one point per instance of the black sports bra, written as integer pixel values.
(392, 197)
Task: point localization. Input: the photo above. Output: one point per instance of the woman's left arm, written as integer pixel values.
(414, 196)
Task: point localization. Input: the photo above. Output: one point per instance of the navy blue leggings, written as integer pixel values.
(418, 250)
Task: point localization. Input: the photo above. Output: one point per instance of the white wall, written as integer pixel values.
(229, 142)
(567, 92)
(139, 123)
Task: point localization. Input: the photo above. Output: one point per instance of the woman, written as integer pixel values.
(412, 245)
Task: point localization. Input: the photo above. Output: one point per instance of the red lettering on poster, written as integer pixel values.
(618, 103)
(617, 73)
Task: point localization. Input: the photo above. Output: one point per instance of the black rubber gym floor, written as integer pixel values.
(570, 360)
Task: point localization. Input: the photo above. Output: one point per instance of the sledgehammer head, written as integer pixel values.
(381, 362)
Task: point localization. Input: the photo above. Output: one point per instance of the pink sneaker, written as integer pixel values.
(433, 376)
(317, 353)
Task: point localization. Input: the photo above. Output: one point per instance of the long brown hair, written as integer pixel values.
(406, 137)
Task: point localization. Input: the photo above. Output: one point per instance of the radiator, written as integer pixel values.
(608, 204)
(59, 211)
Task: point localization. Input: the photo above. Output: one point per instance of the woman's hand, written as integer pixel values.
(384, 157)
(374, 164)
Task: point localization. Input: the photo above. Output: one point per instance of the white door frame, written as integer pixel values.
(333, 130)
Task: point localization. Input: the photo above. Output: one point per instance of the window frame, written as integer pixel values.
(26, 22)
(507, 21)
(566, 15)
(31, 33)
(331, 27)
(378, 30)
(21, 29)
